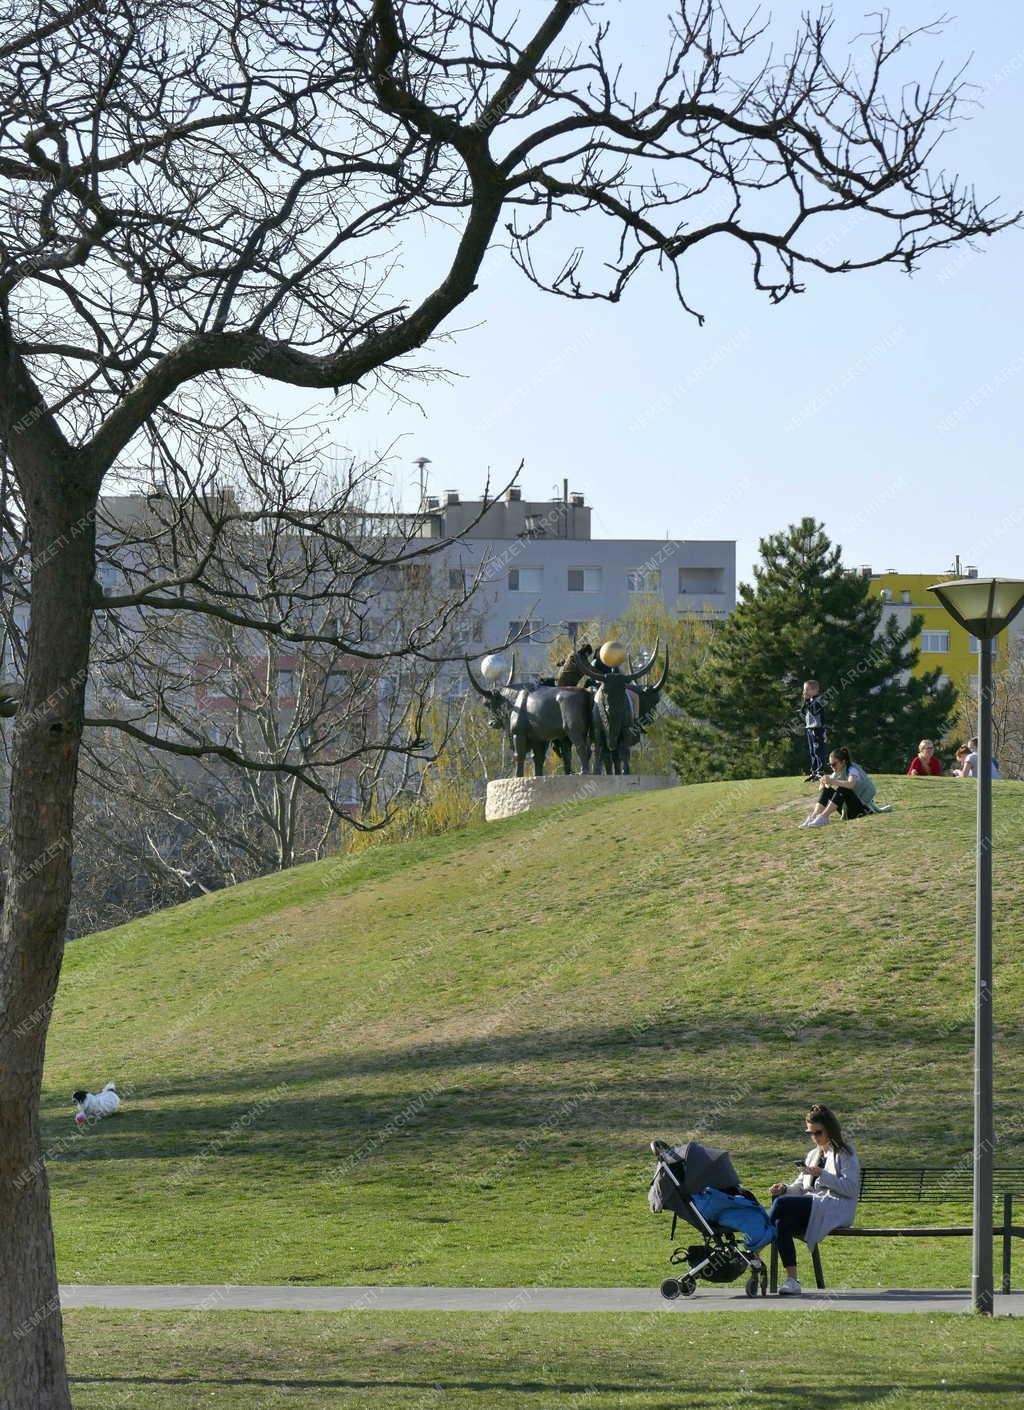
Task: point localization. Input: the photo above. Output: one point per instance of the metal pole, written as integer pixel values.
(982, 1288)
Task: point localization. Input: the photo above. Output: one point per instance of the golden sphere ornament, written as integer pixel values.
(612, 653)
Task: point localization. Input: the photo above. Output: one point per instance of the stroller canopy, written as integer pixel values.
(703, 1168)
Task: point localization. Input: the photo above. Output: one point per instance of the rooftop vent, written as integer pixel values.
(513, 494)
(970, 571)
(433, 502)
(576, 499)
(865, 570)
(451, 496)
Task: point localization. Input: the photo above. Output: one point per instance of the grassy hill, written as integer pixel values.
(440, 1062)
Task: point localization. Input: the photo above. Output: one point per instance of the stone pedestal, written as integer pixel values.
(507, 796)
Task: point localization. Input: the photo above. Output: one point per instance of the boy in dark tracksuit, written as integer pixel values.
(814, 727)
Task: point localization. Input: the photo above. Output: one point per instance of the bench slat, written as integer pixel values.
(891, 1182)
(960, 1230)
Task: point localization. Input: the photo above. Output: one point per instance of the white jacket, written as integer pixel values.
(103, 1103)
(834, 1192)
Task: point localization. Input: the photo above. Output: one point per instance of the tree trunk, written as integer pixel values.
(46, 742)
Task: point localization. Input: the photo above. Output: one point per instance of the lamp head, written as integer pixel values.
(983, 605)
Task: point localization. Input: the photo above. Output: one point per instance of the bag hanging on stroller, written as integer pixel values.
(700, 1184)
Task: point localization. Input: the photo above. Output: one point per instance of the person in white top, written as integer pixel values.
(969, 763)
(822, 1197)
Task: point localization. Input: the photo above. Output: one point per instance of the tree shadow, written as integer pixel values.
(682, 1393)
(542, 1087)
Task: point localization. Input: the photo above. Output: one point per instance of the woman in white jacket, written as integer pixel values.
(823, 1196)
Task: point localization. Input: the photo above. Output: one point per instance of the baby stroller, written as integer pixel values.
(699, 1184)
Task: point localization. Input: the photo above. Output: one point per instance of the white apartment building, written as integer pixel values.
(540, 569)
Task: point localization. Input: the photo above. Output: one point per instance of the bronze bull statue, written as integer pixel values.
(570, 718)
(538, 715)
(615, 726)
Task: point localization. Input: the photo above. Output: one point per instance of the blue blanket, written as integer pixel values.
(745, 1216)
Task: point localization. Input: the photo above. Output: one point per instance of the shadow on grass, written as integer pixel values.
(356, 1383)
(543, 1087)
(694, 1040)
(682, 1393)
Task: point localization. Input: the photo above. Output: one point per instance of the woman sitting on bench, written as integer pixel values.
(822, 1197)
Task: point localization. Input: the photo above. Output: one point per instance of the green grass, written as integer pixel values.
(440, 1062)
(430, 1361)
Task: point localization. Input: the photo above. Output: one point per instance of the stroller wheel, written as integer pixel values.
(750, 1286)
(670, 1289)
(687, 1286)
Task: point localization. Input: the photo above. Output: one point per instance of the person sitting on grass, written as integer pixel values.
(925, 762)
(969, 763)
(822, 1197)
(847, 790)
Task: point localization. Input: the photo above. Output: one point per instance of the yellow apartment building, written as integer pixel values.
(943, 643)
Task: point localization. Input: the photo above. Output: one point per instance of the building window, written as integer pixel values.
(286, 682)
(336, 681)
(699, 581)
(572, 631)
(584, 580)
(905, 597)
(220, 684)
(528, 627)
(525, 579)
(457, 579)
(643, 580)
(992, 646)
(886, 594)
(935, 641)
(416, 576)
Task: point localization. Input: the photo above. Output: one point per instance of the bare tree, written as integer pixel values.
(314, 735)
(195, 199)
(1007, 708)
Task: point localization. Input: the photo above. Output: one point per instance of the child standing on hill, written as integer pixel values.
(814, 727)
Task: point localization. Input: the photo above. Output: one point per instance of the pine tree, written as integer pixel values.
(805, 618)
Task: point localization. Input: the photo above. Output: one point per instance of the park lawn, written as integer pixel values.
(824, 1360)
(441, 1062)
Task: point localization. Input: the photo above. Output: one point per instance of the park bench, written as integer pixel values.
(891, 1184)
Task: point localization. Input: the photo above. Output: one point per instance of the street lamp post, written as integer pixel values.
(984, 606)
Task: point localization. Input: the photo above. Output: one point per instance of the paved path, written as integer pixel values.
(212, 1298)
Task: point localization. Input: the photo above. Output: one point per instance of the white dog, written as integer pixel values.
(93, 1105)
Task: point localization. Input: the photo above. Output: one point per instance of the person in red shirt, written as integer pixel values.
(925, 760)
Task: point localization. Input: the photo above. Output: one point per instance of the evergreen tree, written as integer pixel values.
(805, 618)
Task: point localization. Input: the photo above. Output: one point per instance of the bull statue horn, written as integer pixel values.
(585, 670)
(511, 672)
(476, 684)
(635, 675)
(664, 673)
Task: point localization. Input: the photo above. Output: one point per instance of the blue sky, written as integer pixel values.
(886, 406)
